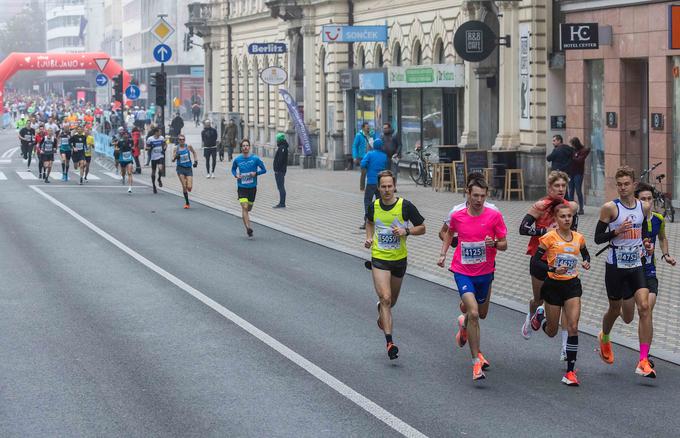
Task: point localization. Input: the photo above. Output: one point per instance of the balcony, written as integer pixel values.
(286, 10)
(199, 16)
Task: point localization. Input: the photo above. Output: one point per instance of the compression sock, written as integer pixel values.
(186, 198)
(388, 338)
(605, 338)
(63, 166)
(572, 349)
(565, 335)
(644, 351)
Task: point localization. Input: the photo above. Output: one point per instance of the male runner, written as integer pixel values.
(387, 227)
(157, 145)
(46, 149)
(182, 154)
(246, 168)
(561, 291)
(481, 233)
(78, 143)
(27, 138)
(621, 224)
(655, 228)
(124, 147)
(65, 152)
(89, 147)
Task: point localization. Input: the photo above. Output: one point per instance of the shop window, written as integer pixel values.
(432, 117)
(675, 188)
(365, 103)
(410, 119)
(595, 120)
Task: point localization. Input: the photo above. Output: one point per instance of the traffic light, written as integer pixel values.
(118, 87)
(160, 82)
(188, 42)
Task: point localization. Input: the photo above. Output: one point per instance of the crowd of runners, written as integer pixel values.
(474, 229)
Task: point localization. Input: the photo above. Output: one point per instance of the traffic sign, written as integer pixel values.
(101, 63)
(162, 53)
(132, 92)
(162, 30)
(101, 79)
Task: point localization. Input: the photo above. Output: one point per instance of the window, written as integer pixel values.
(396, 55)
(411, 115)
(361, 58)
(64, 21)
(432, 116)
(378, 57)
(417, 58)
(438, 56)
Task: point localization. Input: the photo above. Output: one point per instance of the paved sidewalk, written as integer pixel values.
(327, 207)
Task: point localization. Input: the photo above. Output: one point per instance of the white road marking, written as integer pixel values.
(92, 177)
(5, 161)
(3, 177)
(360, 400)
(27, 175)
(9, 152)
(112, 175)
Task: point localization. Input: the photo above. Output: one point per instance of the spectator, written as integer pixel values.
(229, 138)
(176, 125)
(280, 167)
(360, 146)
(392, 148)
(576, 171)
(196, 113)
(561, 156)
(209, 140)
(374, 162)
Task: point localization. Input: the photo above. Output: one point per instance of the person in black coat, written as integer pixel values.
(280, 167)
(561, 156)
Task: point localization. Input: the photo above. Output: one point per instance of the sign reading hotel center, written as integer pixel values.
(333, 33)
(427, 76)
(267, 48)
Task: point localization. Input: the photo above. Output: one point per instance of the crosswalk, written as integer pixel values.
(55, 175)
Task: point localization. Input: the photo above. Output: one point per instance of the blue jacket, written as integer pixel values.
(374, 162)
(360, 145)
(252, 163)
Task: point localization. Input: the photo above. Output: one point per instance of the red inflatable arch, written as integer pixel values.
(59, 61)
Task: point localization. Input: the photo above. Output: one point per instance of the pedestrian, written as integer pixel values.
(576, 171)
(220, 144)
(176, 126)
(374, 162)
(209, 139)
(196, 113)
(392, 147)
(230, 135)
(561, 155)
(280, 167)
(360, 146)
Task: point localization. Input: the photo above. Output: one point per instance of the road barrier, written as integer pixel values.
(102, 144)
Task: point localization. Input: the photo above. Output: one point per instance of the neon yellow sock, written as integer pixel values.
(605, 338)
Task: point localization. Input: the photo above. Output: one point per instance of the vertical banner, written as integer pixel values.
(524, 76)
(300, 127)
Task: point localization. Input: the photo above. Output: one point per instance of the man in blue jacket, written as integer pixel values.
(362, 143)
(373, 163)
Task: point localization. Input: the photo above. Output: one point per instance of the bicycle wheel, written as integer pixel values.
(669, 211)
(414, 171)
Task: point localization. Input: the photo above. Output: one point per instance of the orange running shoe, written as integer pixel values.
(485, 363)
(570, 379)
(644, 369)
(606, 352)
(392, 351)
(186, 206)
(461, 335)
(477, 373)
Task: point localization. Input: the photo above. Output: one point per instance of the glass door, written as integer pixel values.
(595, 126)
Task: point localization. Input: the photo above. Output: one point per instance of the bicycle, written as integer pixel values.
(662, 202)
(420, 170)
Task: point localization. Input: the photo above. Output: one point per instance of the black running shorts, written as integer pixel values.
(556, 292)
(622, 283)
(396, 267)
(247, 194)
(653, 285)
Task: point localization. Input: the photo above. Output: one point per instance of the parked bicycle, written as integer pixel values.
(421, 170)
(662, 201)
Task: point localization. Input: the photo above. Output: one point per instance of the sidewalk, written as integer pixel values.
(327, 207)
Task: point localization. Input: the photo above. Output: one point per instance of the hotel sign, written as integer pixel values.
(578, 36)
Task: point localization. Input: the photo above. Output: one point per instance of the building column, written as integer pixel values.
(208, 79)
(470, 135)
(508, 75)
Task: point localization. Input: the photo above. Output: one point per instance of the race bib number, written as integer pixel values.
(628, 257)
(247, 180)
(568, 261)
(472, 253)
(126, 156)
(79, 146)
(388, 241)
(64, 142)
(184, 158)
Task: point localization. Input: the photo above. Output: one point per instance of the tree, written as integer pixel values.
(25, 32)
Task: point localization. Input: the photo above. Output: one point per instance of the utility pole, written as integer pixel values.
(162, 121)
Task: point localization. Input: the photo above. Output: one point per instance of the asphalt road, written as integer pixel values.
(107, 333)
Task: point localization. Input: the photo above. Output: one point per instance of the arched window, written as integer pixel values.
(396, 55)
(361, 58)
(438, 56)
(378, 57)
(417, 57)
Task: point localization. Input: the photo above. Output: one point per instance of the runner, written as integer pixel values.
(89, 147)
(46, 150)
(27, 138)
(182, 154)
(537, 222)
(39, 136)
(78, 144)
(561, 291)
(65, 152)
(481, 233)
(157, 145)
(655, 228)
(622, 223)
(124, 146)
(116, 153)
(387, 227)
(246, 168)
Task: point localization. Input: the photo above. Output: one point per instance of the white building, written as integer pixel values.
(63, 20)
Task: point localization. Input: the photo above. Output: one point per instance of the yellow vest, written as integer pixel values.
(387, 246)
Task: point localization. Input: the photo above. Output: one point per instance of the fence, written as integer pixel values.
(102, 144)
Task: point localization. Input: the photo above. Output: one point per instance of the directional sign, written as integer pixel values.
(132, 92)
(333, 33)
(101, 79)
(162, 53)
(101, 63)
(162, 30)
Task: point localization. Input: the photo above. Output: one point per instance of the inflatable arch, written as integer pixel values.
(59, 61)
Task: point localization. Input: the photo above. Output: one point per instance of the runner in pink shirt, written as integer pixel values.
(481, 234)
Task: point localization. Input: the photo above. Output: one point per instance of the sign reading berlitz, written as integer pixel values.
(575, 36)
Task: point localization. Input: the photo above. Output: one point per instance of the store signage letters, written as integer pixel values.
(267, 48)
(353, 34)
(474, 41)
(576, 36)
(432, 76)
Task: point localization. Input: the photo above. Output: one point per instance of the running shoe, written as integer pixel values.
(250, 232)
(122, 180)
(477, 373)
(526, 332)
(644, 369)
(155, 190)
(461, 335)
(186, 206)
(380, 326)
(538, 318)
(213, 175)
(392, 351)
(81, 181)
(47, 180)
(85, 179)
(66, 177)
(485, 363)
(160, 183)
(129, 189)
(563, 355)
(207, 176)
(570, 379)
(606, 353)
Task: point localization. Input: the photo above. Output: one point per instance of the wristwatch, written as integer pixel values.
(408, 232)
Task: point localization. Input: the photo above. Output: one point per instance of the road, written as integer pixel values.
(125, 315)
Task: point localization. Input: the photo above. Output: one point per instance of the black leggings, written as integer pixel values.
(29, 154)
(208, 153)
(154, 165)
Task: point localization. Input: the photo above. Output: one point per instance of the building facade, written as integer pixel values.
(415, 80)
(63, 21)
(623, 97)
